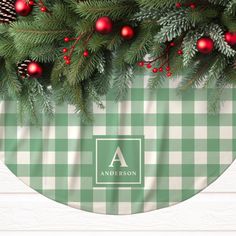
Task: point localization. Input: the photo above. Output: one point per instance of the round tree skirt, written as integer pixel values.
(152, 150)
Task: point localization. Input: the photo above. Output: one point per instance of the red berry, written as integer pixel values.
(168, 68)
(178, 5)
(66, 39)
(172, 44)
(180, 52)
(141, 63)
(161, 69)
(43, 9)
(65, 50)
(68, 62)
(193, 5)
(86, 53)
(31, 3)
(155, 70)
(149, 66)
(169, 74)
(66, 58)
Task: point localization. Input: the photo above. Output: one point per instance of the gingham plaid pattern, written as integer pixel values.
(185, 148)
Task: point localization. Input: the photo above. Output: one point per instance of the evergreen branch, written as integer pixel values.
(116, 9)
(217, 34)
(112, 60)
(122, 81)
(151, 4)
(174, 23)
(189, 46)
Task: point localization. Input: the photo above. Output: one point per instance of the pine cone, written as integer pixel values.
(7, 11)
(22, 69)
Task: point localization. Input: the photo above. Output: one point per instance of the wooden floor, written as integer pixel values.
(22, 209)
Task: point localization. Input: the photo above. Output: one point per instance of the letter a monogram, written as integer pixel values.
(121, 159)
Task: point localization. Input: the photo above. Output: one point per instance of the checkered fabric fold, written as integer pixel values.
(184, 149)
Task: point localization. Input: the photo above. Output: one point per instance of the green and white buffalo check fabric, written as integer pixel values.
(151, 150)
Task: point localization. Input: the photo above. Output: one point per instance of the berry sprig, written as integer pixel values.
(102, 26)
(166, 63)
(39, 4)
(69, 52)
(192, 5)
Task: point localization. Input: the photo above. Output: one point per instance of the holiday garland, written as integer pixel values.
(75, 51)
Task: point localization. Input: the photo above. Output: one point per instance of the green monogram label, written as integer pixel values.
(118, 161)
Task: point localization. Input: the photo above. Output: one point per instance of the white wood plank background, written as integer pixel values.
(214, 209)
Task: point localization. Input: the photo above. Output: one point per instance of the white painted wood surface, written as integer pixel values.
(214, 209)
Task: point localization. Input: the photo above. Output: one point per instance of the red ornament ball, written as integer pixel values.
(205, 45)
(34, 69)
(230, 38)
(22, 7)
(127, 32)
(104, 25)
